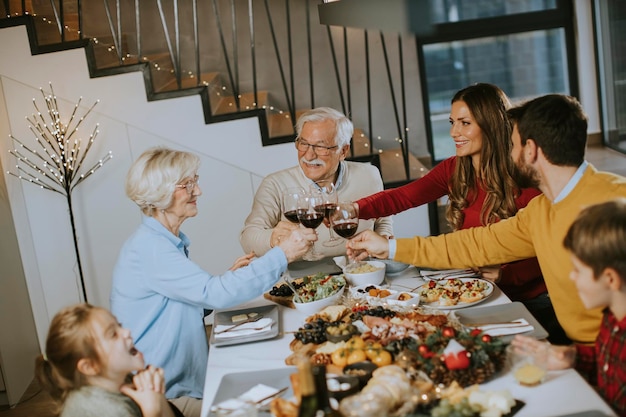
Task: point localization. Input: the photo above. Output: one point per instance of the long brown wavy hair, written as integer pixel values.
(488, 105)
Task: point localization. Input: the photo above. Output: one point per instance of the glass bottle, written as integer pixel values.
(321, 387)
(308, 396)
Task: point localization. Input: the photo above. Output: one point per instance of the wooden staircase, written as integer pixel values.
(162, 80)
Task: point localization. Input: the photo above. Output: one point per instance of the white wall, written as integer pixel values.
(233, 163)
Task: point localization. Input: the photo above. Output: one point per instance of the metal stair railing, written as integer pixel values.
(182, 48)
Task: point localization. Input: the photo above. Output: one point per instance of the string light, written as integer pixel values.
(56, 159)
(57, 155)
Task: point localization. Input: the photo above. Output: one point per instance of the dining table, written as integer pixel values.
(563, 393)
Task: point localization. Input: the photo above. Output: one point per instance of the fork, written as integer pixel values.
(276, 394)
(248, 320)
(514, 323)
(444, 275)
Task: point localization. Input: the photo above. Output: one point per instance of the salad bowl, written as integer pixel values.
(318, 292)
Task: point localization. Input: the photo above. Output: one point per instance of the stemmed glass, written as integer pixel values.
(311, 215)
(329, 203)
(290, 203)
(345, 219)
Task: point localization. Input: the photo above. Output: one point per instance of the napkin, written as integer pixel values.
(505, 329)
(261, 326)
(258, 393)
(254, 395)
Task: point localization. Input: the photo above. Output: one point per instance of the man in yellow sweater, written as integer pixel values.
(549, 139)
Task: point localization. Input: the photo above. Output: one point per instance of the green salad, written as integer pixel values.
(319, 286)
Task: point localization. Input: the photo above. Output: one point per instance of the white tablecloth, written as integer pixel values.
(564, 392)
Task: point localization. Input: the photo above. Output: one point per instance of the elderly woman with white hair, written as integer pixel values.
(160, 294)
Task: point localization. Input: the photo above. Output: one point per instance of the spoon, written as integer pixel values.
(290, 285)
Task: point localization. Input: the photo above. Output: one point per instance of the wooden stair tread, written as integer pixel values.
(392, 166)
(361, 143)
(280, 124)
(227, 103)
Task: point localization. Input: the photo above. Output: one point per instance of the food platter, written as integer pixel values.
(454, 293)
(282, 294)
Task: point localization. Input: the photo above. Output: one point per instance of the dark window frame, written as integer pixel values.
(560, 17)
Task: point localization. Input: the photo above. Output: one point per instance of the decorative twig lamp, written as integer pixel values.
(54, 162)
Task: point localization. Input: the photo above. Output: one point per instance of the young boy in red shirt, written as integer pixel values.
(597, 243)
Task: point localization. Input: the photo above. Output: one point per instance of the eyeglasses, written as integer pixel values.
(320, 150)
(189, 185)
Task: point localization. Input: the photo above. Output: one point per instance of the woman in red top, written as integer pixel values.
(481, 187)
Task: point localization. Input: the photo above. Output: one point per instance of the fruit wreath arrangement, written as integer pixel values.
(420, 341)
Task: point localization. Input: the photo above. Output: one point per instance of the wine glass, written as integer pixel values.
(345, 219)
(329, 203)
(311, 215)
(290, 203)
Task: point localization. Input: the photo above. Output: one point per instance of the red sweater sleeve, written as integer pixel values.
(421, 191)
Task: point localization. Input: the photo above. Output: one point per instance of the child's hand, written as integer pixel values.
(148, 391)
(151, 379)
(559, 357)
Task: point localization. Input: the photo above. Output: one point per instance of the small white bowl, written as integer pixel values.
(412, 299)
(313, 307)
(371, 278)
(394, 267)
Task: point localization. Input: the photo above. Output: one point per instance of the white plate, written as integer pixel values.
(486, 293)
(359, 292)
(413, 301)
(225, 318)
(235, 384)
(501, 312)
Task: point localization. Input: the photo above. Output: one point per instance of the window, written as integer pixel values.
(444, 11)
(523, 46)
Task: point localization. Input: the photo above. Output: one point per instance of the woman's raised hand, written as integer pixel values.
(243, 261)
(491, 273)
(297, 243)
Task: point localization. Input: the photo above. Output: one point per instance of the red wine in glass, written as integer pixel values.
(346, 229)
(290, 203)
(327, 209)
(292, 216)
(345, 220)
(311, 219)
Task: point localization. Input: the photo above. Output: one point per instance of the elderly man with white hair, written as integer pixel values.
(322, 142)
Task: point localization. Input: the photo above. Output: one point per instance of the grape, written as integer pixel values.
(378, 311)
(314, 332)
